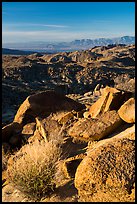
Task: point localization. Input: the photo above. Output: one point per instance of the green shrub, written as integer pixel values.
(33, 169)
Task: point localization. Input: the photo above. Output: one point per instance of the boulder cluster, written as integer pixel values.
(98, 140)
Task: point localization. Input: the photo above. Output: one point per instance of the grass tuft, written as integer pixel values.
(33, 169)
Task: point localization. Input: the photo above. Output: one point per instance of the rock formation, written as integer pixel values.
(84, 102)
(111, 99)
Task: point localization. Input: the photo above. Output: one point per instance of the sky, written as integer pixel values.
(66, 21)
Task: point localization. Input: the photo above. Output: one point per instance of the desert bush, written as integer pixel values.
(32, 170)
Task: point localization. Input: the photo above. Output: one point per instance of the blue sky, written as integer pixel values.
(66, 21)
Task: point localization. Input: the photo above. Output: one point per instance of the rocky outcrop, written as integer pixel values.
(44, 103)
(95, 129)
(127, 111)
(97, 153)
(111, 99)
(107, 174)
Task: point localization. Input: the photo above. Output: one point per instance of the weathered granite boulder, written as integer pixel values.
(111, 99)
(127, 111)
(107, 173)
(95, 129)
(44, 103)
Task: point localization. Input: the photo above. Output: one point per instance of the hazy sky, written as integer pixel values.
(66, 21)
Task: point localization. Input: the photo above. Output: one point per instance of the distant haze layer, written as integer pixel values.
(68, 46)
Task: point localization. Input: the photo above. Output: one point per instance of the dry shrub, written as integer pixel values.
(33, 169)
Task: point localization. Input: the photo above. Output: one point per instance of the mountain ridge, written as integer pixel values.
(70, 46)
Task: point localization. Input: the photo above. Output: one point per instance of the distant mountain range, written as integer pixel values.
(69, 46)
(104, 41)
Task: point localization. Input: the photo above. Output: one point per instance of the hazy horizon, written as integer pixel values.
(66, 21)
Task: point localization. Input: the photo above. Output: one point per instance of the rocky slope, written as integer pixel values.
(97, 141)
(84, 103)
(67, 72)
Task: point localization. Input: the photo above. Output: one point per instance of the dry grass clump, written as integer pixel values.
(4, 162)
(32, 170)
(5, 155)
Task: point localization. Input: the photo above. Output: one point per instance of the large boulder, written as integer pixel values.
(87, 129)
(111, 99)
(107, 173)
(44, 103)
(127, 111)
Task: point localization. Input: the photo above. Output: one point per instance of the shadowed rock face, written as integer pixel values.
(10, 130)
(44, 103)
(111, 173)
